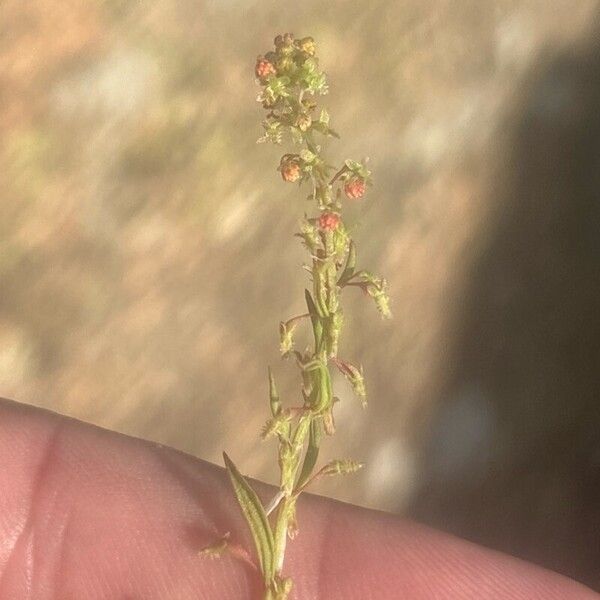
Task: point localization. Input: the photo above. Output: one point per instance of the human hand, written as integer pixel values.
(87, 514)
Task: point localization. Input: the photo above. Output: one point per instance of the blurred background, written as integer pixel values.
(146, 255)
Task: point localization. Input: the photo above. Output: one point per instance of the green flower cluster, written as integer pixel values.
(290, 77)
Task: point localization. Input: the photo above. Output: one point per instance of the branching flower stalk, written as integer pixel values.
(290, 81)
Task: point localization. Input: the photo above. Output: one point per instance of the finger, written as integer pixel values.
(86, 513)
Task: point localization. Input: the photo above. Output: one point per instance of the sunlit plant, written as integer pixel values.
(290, 81)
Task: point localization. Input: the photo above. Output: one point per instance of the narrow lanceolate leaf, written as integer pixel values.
(324, 398)
(256, 518)
(350, 265)
(300, 433)
(312, 452)
(341, 467)
(274, 395)
(314, 318)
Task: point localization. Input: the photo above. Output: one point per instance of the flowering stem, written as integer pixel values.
(290, 80)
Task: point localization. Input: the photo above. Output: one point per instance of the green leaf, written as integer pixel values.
(312, 452)
(314, 317)
(324, 129)
(325, 396)
(341, 467)
(256, 518)
(320, 127)
(333, 330)
(274, 395)
(350, 265)
(301, 430)
(341, 243)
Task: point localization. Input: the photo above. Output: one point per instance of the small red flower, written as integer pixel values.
(355, 187)
(290, 170)
(329, 221)
(264, 68)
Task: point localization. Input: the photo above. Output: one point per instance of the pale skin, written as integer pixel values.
(90, 514)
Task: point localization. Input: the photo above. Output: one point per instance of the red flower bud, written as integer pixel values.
(264, 68)
(329, 221)
(355, 187)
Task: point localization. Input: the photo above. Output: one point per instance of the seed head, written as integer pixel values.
(329, 221)
(290, 168)
(355, 188)
(264, 68)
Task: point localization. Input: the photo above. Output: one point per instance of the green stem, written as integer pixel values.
(289, 475)
(288, 479)
(338, 174)
(281, 529)
(326, 300)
